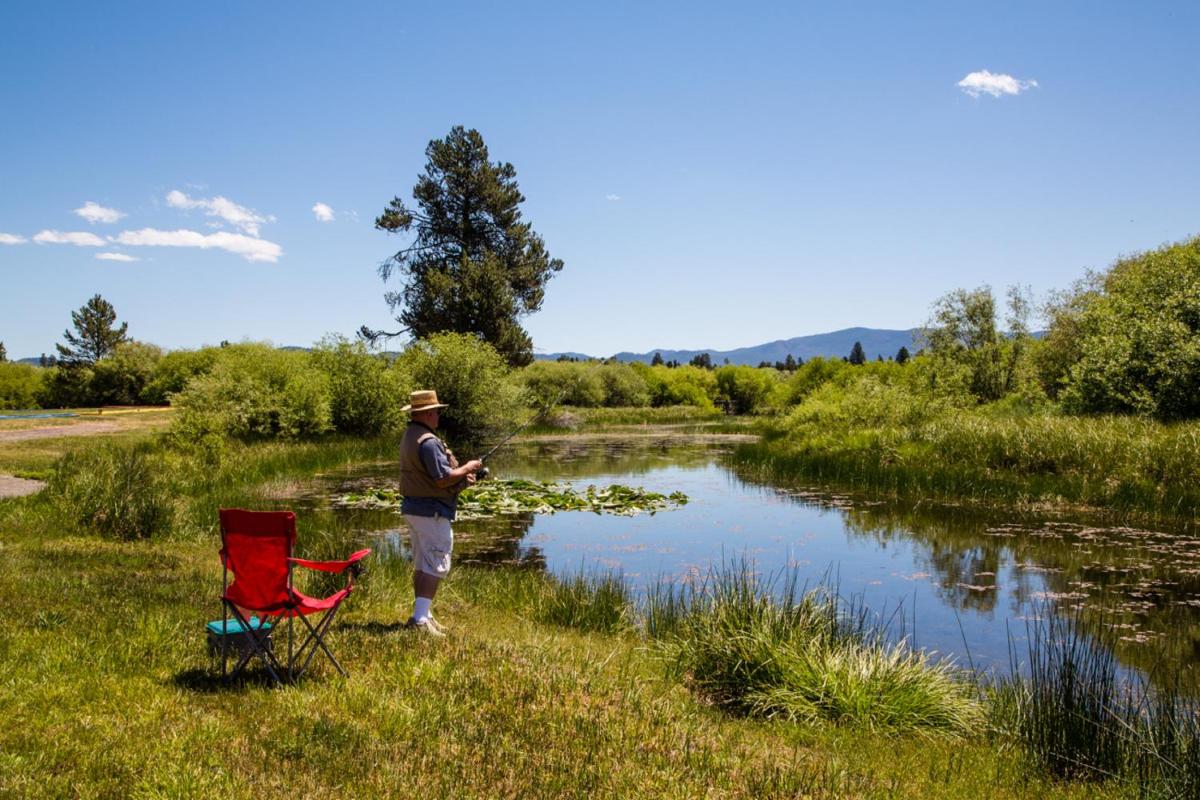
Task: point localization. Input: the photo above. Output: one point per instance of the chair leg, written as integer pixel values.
(258, 646)
(317, 637)
(291, 661)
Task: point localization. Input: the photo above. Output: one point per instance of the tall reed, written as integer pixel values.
(1078, 716)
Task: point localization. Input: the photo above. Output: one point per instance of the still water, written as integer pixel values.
(958, 582)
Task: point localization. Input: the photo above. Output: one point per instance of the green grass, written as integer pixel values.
(571, 418)
(1077, 717)
(108, 692)
(544, 688)
(771, 651)
(35, 458)
(1123, 465)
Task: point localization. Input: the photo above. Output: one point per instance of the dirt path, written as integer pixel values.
(18, 487)
(80, 429)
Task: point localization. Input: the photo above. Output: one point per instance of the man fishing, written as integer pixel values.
(430, 480)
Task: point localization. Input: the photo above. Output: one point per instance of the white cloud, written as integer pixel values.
(322, 212)
(94, 212)
(115, 257)
(80, 239)
(11, 238)
(995, 84)
(245, 218)
(250, 248)
(613, 197)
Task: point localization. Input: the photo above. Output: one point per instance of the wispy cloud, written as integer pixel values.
(322, 212)
(79, 239)
(115, 257)
(994, 84)
(245, 218)
(249, 247)
(11, 238)
(612, 197)
(94, 212)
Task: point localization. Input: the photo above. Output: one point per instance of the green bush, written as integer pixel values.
(21, 385)
(365, 395)
(571, 383)
(688, 385)
(116, 491)
(175, 369)
(623, 386)
(121, 377)
(746, 390)
(67, 387)
(813, 374)
(254, 390)
(1138, 337)
(469, 375)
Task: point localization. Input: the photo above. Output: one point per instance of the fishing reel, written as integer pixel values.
(482, 473)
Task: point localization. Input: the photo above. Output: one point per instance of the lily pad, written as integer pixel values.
(516, 496)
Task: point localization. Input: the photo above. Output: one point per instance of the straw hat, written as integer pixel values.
(423, 400)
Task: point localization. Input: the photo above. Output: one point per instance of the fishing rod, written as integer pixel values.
(484, 471)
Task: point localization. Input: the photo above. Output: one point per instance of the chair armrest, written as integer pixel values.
(332, 566)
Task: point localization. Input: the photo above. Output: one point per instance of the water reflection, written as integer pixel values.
(968, 580)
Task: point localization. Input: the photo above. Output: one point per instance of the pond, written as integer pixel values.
(959, 582)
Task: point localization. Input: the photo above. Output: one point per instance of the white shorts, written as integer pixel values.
(432, 540)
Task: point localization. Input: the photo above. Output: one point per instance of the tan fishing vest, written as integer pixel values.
(414, 480)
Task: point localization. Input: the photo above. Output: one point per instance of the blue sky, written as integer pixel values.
(712, 176)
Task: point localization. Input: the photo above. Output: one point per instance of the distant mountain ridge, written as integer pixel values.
(835, 344)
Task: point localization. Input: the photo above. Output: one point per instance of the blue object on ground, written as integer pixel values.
(233, 626)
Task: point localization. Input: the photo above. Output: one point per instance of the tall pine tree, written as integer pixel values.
(94, 337)
(474, 266)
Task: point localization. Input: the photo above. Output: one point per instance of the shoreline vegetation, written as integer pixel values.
(1117, 467)
(567, 686)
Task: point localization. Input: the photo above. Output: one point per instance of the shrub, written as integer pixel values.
(812, 375)
(116, 491)
(470, 376)
(21, 385)
(691, 386)
(121, 377)
(1138, 337)
(67, 387)
(746, 390)
(572, 383)
(623, 386)
(365, 395)
(175, 369)
(254, 390)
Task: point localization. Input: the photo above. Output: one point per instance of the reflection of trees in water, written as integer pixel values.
(498, 541)
(567, 460)
(1142, 585)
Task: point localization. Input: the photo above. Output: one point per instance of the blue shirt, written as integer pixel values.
(437, 465)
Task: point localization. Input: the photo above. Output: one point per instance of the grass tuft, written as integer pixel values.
(801, 656)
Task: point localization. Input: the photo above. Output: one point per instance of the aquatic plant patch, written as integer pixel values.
(517, 496)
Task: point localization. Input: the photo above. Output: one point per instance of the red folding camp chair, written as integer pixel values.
(256, 546)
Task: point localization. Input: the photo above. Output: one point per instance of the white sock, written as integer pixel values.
(421, 608)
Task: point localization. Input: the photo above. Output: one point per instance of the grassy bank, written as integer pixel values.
(1124, 465)
(545, 688)
(108, 693)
